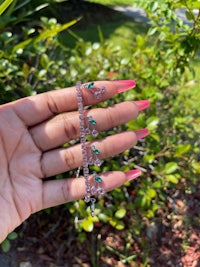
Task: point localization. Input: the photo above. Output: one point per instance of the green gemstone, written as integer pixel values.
(92, 122)
(96, 151)
(90, 85)
(98, 179)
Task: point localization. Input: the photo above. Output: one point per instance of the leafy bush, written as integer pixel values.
(158, 62)
(34, 60)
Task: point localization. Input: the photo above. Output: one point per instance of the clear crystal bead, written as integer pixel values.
(87, 198)
(93, 190)
(95, 133)
(87, 131)
(90, 161)
(100, 191)
(98, 162)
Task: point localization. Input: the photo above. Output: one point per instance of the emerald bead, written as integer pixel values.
(90, 85)
(93, 122)
(96, 151)
(98, 179)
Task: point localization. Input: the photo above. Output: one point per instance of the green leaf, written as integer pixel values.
(50, 33)
(157, 184)
(155, 136)
(45, 34)
(196, 166)
(44, 60)
(120, 213)
(152, 31)
(119, 225)
(143, 201)
(87, 225)
(12, 236)
(5, 5)
(150, 214)
(149, 158)
(151, 193)
(155, 207)
(42, 73)
(170, 167)
(189, 15)
(172, 178)
(113, 222)
(103, 217)
(152, 122)
(195, 4)
(140, 40)
(155, 6)
(182, 149)
(5, 245)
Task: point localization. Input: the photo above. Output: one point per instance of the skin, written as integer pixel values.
(32, 132)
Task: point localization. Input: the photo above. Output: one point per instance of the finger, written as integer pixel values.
(62, 160)
(36, 109)
(62, 191)
(65, 127)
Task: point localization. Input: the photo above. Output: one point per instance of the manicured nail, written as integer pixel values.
(124, 85)
(142, 104)
(141, 133)
(132, 174)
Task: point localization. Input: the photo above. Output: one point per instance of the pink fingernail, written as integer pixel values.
(142, 104)
(141, 133)
(124, 85)
(132, 174)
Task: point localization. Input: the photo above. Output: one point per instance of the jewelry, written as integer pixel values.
(97, 91)
(91, 127)
(89, 156)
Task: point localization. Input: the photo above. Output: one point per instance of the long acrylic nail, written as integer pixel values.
(142, 104)
(132, 174)
(124, 85)
(141, 133)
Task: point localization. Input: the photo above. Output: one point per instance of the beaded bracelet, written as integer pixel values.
(93, 182)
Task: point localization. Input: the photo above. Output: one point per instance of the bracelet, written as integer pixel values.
(89, 155)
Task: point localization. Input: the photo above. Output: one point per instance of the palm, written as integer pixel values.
(20, 180)
(32, 132)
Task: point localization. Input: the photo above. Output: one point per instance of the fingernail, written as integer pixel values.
(132, 174)
(141, 133)
(142, 104)
(124, 85)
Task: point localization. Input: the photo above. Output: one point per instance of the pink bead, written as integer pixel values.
(82, 134)
(95, 133)
(86, 170)
(90, 161)
(85, 164)
(93, 190)
(82, 139)
(100, 191)
(98, 162)
(87, 131)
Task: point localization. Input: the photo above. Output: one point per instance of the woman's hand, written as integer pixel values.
(32, 132)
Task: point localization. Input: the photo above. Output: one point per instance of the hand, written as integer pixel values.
(32, 132)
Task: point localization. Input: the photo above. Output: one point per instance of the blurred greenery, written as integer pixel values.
(114, 2)
(39, 52)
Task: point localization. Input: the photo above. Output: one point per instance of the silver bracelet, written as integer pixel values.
(93, 182)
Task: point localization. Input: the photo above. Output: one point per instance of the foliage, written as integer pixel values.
(26, 65)
(6, 244)
(158, 62)
(5, 5)
(114, 2)
(33, 60)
